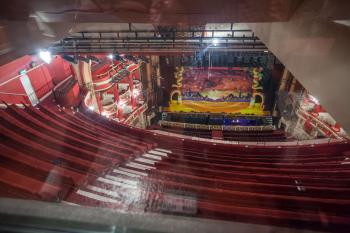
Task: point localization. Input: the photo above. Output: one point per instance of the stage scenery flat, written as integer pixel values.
(217, 90)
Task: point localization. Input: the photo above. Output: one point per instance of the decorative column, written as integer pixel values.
(131, 86)
(99, 101)
(119, 113)
(284, 80)
(292, 86)
(138, 74)
(77, 72)
(282, 87)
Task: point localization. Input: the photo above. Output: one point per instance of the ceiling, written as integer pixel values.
(27, 26)
(151, 11)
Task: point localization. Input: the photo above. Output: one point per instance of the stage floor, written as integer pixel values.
(216, 107)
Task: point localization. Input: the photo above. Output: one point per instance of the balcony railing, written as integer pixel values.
(135, 113)
(216, 127)
(318, 123)
(277, 144)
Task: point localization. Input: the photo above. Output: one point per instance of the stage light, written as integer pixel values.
(70, 59)
(110, 56)
(84, 59)
(313, 99)
(131, 58)
(95, 59)
(92, 108)
(215, 42)
(46, 56)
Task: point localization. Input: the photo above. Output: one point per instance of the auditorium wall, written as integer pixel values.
(43, 77)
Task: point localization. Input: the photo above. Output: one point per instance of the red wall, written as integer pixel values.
(41, 80)
(71, 97)
(9, 71)
(43, 77)
(13, 87)
(59, 69)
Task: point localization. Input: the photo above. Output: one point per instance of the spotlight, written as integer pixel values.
(46, 56)
(70, 59)
(131, 58)
(91, 108)
(84, 59)
(116, 56)
(215, 42)
(119, 58)
(95, 59)
(313, 99)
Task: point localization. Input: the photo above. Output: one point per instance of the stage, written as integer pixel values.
(241, 108)
(234, 90)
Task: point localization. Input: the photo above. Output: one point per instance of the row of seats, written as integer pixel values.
(271, 135)
(46, 154)
(85, 159)
(302, 191)
(209, 119)
(302, 187)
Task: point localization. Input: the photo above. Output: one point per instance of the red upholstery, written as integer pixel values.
(50, 155)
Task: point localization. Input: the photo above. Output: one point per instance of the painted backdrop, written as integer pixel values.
(217, 89)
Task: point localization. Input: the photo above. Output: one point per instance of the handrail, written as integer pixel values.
(126, 93)
(319, 122)
(140, 109)
(112, 68)
(160, 31)
(111, 77)
(278, 144)
(18, 76)
(8, 93)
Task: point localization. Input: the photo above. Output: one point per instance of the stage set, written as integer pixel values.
(227, 90)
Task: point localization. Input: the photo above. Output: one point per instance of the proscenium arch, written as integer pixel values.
(259, 98)
(176, 94)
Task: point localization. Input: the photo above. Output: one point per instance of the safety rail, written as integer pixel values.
(113, 78)
(14, 97)
(125, 96)
(278, 144)
(39, 93)
(113, 68)
(18, 76)
(132, 116)
(318, 123)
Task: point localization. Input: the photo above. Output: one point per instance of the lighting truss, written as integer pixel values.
(157, 40)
